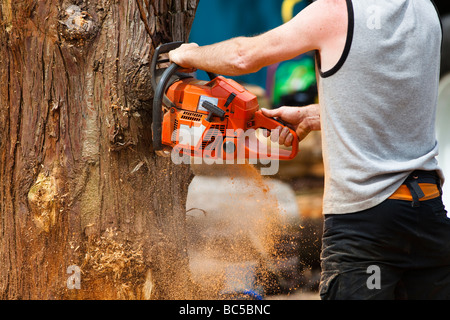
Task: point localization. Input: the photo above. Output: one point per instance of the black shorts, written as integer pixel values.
(391, 251)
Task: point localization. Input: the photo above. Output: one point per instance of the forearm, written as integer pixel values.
(242, 55)
(231, 57)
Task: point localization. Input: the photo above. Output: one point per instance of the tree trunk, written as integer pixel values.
(87, 210)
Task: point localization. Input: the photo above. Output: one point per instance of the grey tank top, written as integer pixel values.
(378, 104)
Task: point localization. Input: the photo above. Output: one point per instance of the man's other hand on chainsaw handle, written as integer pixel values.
(302, 120)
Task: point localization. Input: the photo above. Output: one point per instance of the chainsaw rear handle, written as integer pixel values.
(263, 122)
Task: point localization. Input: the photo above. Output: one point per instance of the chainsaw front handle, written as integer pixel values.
(157, 105)
(160, 88)
(263, 122)
(164, 48)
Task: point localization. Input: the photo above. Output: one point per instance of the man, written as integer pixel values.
(386, 232)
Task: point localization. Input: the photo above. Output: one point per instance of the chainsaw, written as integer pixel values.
(215, 119)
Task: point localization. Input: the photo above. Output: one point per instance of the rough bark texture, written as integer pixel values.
(80, 184)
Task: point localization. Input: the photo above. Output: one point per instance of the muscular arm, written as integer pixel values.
(321, 26)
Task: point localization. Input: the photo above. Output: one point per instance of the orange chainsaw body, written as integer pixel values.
(214, 119)
(214, 136)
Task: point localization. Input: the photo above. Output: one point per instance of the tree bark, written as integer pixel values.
(80, 184)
